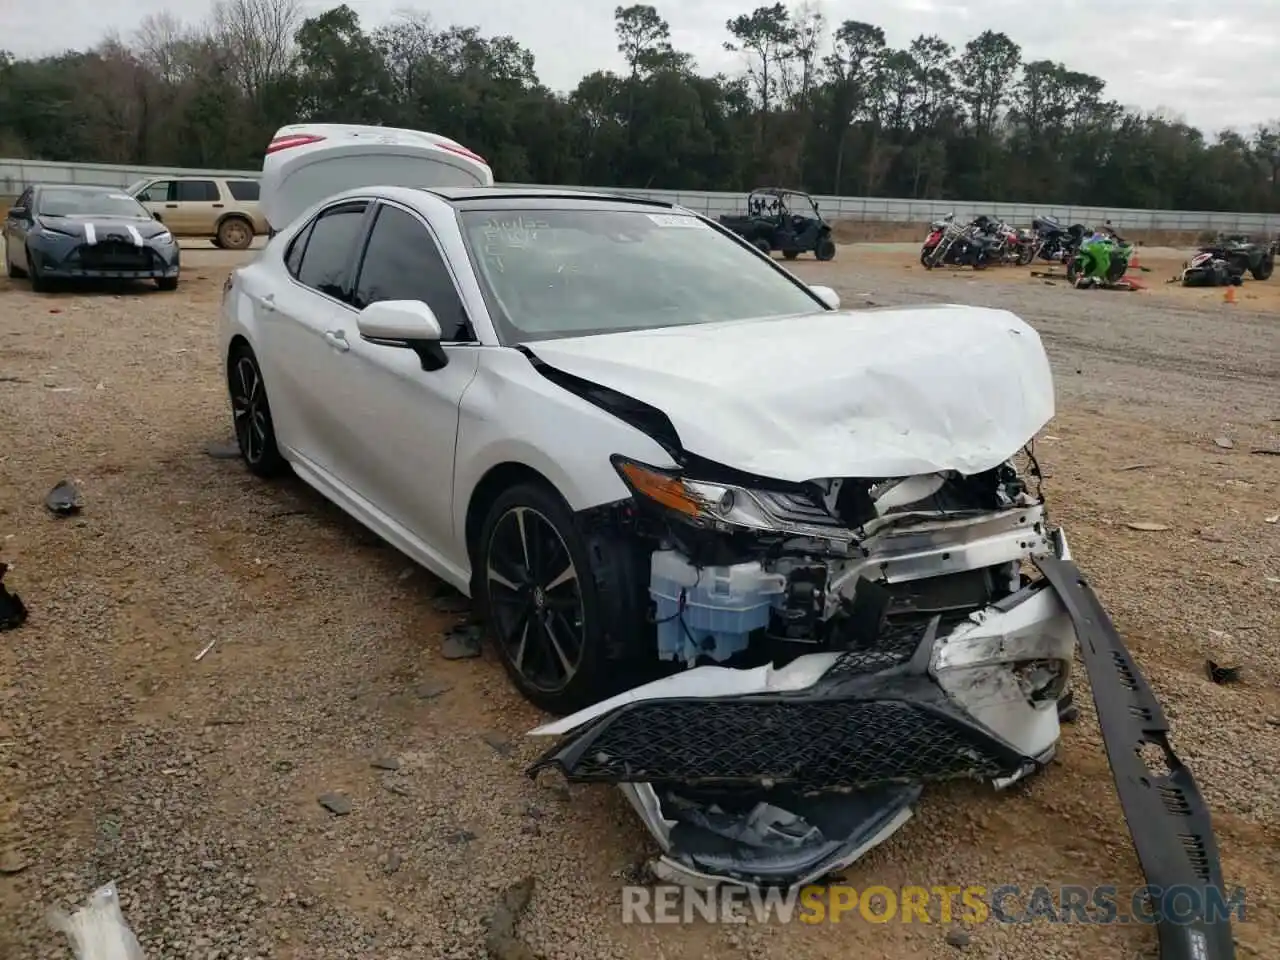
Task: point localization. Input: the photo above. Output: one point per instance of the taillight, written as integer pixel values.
(293, 140)
(463, 152)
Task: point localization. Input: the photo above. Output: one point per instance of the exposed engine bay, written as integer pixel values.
(843, 642)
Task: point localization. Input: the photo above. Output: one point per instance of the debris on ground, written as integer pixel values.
(1226, 443)
(205, 649)
(501, 940)
(224, 450)
(430, 689)
(1147, 526)
(336, 803)
(12, 862)
(1267, 451)
(461, 643)
(98, 930)
(451, 603)
(13, 612)
(64, 499)
(386, 763)
(1221, 675)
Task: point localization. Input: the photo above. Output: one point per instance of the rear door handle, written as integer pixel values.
(267, 301)
(219, 205)
(337, 339)
(172, 206)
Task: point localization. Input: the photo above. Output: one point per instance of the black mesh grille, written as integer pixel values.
(825, 744)
(894, 645)
(113, 255)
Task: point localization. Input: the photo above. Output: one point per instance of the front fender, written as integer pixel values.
(512, 414)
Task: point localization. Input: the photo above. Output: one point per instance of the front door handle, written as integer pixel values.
(268, 301)
(171, 206)
(337, 339)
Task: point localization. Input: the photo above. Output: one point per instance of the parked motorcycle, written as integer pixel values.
(1102, 259)
(1055, 242)
(1207, 270)
(953, 244)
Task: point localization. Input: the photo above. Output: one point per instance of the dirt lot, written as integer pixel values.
(195, 784)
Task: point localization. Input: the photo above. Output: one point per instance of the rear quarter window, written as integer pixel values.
(246, 191)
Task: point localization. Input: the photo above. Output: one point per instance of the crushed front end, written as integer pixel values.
(843, 642)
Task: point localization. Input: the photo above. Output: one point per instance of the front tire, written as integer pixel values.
(825, 250)
(251, 414)
(38, 283)
(168, 284)
(564, 606)
(764, 247)
(1266, 266)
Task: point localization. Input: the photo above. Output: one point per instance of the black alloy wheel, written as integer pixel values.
(535, 599)
(255, 433)
(565, 605)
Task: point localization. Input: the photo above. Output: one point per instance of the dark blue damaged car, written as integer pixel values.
(69, 232)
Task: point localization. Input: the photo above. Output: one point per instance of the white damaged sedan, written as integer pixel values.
(780, 564)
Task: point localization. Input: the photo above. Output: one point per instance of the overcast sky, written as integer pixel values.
(1213, 63)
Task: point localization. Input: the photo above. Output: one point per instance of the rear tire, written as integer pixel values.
(564, 606)
(825, 250)
(251, 415)
(791, 254)
(235, 233)
(764, 246)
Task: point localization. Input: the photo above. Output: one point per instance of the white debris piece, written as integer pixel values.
(98, 930)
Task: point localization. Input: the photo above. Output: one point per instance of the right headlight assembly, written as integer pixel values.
(699, 502)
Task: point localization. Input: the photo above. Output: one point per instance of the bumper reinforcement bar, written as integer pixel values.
(1168, 818)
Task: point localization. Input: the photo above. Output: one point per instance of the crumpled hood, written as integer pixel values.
(869, 393)
(96, 229)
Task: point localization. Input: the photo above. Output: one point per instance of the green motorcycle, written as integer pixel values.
(1101, 260)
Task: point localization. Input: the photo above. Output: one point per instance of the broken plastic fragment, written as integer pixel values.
(64, 499)
(98, 930)
(13, 612)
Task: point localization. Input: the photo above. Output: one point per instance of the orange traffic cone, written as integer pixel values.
(1230, 296)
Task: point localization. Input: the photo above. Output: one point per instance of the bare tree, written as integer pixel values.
(258, 35)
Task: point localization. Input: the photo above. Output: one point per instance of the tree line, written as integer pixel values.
(827, 107)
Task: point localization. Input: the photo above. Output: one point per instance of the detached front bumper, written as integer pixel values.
(781, 776)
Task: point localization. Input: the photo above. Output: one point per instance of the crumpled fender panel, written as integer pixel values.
(1168, 818)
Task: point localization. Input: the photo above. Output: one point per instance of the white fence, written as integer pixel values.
(16, 174)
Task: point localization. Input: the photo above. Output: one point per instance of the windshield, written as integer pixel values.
(88, 203)
(567, 273)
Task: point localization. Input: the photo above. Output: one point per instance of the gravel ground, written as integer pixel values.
(196, 784)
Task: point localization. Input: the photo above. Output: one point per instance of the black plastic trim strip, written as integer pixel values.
(1168, 818)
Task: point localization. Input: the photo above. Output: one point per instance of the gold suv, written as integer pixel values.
(225, 209)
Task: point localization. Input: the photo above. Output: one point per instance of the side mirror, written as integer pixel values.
(829, 297)
(408, 324)
(156, 216)
(17, 213)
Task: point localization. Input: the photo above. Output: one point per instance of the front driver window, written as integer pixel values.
(402, 262)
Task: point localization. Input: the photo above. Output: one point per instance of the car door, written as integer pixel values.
(196, 204)
(155, 197)
(16, 227)
(403, 420)
(303, 361)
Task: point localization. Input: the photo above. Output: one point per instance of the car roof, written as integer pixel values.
(79, 187)
(512, 198)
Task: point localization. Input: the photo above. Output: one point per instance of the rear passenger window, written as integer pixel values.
(246, 191)
(402, 262)
(330, 249)
(195, 191)
(297, 246)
